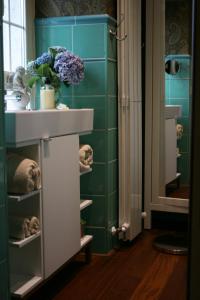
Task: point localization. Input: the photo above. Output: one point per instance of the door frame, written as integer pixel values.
(154, 177)
(130, 116)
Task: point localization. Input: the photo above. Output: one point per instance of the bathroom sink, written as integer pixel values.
(24, 126)
(173, 111)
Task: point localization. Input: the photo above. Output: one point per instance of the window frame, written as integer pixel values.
(27, 26)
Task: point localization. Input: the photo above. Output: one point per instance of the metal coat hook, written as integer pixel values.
(114, 33)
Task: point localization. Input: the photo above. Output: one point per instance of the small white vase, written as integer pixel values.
(47, 97)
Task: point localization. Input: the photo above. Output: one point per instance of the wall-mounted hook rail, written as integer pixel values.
(114, 33)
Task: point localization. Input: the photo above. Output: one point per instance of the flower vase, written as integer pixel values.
(47, 97)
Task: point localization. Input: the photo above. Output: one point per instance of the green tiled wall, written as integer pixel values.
(89, 38)
(4, 277)
(177, 92)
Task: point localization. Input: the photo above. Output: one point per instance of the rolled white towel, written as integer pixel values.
(19, 227)
(179, 131)
(86, 155)
(23, 174)
(83, 168)
(23, 227)
(34, 225)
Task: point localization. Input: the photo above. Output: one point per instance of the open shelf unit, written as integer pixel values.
(26, 269)
(85, 172)
(85, 240)
(85, 203)
(23, 284)
(22, 243)
(24, 196)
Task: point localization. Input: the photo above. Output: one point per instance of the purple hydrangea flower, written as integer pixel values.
(45, 58)
(70, 68)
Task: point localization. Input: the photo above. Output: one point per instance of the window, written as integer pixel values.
(14, 34)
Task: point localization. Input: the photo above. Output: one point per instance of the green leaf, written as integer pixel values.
(44, 70)
(33, 80)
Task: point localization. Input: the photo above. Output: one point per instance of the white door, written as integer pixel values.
(60, 200)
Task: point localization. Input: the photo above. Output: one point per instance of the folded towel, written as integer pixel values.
(19, 227)
(23, 227)
(179, 131)
(34, 225)
(85, 156)
(23, 174)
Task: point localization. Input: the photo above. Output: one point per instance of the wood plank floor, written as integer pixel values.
(136, 271)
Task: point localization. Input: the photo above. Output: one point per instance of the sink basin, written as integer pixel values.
(173, 111)
(23, 126)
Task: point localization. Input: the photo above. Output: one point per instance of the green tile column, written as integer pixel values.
(88, 37)
(4, 275)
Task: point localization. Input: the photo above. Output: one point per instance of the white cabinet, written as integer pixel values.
(57, 205)
(170, 150)
(60, 200)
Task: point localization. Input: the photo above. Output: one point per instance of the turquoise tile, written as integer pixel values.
(112, 176)
(179, 88)
(112, 144)
(98, 141)
(40, 46)
(183, 168)
(3, 233)
(1, 128)
(185, 68)
(112, 44)
(98, 104)
(167, 88)
(184, 103)
(112, 78)
(183, 144)
(95, 214)
(167, 101)
(68, 20)
(112, 114)
(112, 209)
(2, 187)
(47, 36)
(94, 183)
(4, 286)
(186, 125)
(94, 82)
(2, 178)
(65, 91)
(89, 41)
(100, 243)
(94, 19)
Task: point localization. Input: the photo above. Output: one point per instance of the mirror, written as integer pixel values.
(172, 66)
(177, 98)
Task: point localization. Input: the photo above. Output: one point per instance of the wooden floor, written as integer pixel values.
(183, 192)
(134, 272)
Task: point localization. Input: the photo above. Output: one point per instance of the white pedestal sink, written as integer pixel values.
(173, 111)
(23, 126)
